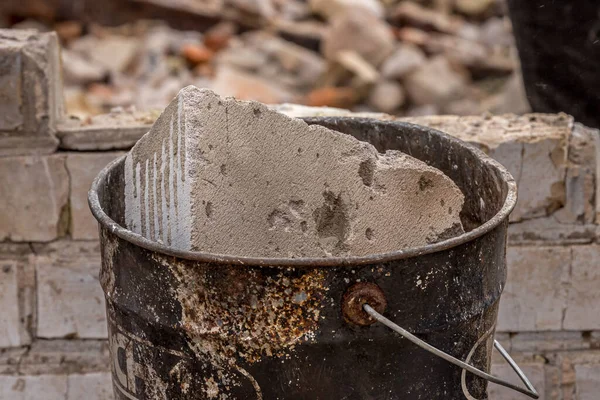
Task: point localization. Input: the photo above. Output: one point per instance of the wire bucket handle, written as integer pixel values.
(529, 391)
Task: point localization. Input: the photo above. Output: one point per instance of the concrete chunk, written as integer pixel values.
(214, 172)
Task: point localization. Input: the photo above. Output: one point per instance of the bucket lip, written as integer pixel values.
(509, 203)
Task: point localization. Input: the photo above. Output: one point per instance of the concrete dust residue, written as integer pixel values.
(231, 177)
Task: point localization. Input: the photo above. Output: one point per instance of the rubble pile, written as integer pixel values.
(397, 57)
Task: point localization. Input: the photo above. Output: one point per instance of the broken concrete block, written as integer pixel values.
(34, 194)
(83, 168)
(70, 300)
(534, 298)
(213, 172)
(30, 91)
(359, 31)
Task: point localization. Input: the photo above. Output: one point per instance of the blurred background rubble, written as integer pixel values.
(405, 58)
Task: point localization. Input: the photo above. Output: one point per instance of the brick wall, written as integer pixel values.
(52, 321)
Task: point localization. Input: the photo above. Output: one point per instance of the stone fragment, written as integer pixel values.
(70, 300)
(386, 96)
(83, 168)
(9, 305)
(297, 190)
(114, 52)
(469, 52)
(91, 386)
(30, 91)
(496, 31)
(242, 85)
(405, 59)
(79, 71)
(268, 56)
(436, 82)
(333, 8)
(364, 72)
(534, 298)
(197, 54)
(34, 193)
(361, 32)
(68, 31)
(584, 290)
(218, 37)
(47, 387)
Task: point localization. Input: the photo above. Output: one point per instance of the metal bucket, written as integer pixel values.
(192, 325)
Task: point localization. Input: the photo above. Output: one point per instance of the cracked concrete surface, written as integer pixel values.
(230, 177)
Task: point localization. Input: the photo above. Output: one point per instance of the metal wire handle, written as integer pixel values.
(530, 391)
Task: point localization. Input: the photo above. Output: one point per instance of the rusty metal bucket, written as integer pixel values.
(192, 325)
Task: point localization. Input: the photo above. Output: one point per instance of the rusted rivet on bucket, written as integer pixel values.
(358, 295)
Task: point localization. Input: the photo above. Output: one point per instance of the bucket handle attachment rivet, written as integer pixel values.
(529, 391)
(356, 297)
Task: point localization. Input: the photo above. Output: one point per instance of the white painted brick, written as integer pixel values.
(583, 309)
(587, 382)
(70, 299)
(9, 305)
(33, 192)
(83, 168)
(535, 295)
(42, 387)
(533, 371)
(92, 386)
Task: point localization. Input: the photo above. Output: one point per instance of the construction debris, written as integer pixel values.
(297, 190)
(402, 57)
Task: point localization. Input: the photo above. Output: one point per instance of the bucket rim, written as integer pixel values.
(129, 236)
